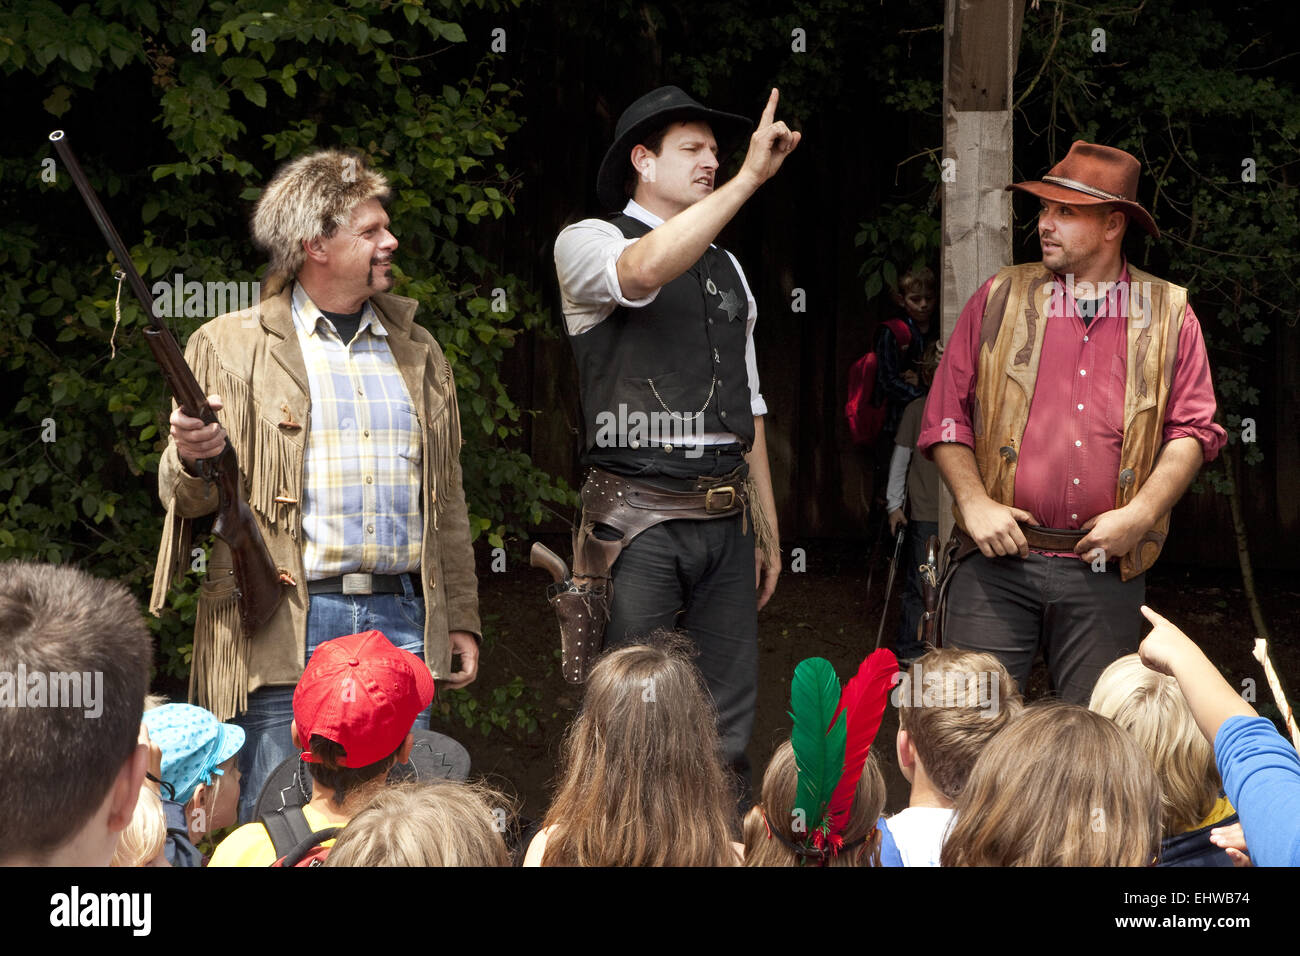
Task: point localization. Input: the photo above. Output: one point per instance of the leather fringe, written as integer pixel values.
(440, 458)
(765, 537)
(173, 559)
(263, 449)
(219, 669)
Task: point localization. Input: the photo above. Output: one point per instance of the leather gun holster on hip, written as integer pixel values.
(629, 507)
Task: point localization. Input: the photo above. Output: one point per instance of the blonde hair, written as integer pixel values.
(953, 725)
(445, 823)
(642, 781)
(145, 837)
(1152, 708)
(1061, 786)
(773, 813)
(313, 195)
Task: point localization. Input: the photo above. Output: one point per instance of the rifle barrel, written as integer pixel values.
(60, 141)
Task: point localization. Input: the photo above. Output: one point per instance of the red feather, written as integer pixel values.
(863, 699)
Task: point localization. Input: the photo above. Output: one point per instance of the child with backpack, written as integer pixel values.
(883, 381)
(353, 711)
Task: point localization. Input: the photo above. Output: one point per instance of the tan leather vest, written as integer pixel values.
(1009, 353)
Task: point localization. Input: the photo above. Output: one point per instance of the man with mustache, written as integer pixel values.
(342, 409)
(1072, 409)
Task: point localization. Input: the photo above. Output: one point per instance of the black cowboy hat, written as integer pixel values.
(657, 109)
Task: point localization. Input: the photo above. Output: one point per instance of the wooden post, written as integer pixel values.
(981, 41)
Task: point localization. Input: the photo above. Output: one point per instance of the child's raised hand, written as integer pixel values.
(1164, 645)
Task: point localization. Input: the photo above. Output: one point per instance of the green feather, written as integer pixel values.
(818, 755)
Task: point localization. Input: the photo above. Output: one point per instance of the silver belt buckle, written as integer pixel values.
(359, 582)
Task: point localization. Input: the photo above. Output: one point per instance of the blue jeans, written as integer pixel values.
(266, 722)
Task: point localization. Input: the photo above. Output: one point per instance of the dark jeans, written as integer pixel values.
(913, 556)
(704, 572)
(1082, 619)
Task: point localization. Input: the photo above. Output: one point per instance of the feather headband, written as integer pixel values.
(832, 737)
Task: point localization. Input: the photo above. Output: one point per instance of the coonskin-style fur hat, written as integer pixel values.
(311, 196)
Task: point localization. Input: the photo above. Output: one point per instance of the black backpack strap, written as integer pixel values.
(287, 829)
(309, 843)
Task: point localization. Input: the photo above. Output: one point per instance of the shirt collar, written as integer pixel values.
(1106, 298)
(307, 315)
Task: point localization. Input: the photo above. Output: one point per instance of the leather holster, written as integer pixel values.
(629, 507)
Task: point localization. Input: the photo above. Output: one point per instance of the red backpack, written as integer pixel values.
(866, 419)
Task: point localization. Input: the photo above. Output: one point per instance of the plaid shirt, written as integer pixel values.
(361, 473)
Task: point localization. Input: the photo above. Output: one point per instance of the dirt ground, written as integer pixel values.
(820, 612)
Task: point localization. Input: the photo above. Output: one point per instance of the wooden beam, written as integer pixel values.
(981, 43)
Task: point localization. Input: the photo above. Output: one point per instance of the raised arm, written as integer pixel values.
(669, 250)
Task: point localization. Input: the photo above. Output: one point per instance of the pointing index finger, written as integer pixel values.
(769, 111)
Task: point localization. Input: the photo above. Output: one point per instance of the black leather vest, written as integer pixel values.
(655, 378)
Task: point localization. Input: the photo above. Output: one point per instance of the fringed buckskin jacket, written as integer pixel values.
(253, 361)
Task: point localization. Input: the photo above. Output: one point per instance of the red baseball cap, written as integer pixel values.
(362, 693)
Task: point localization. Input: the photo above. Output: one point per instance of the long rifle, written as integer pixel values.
(257, 582)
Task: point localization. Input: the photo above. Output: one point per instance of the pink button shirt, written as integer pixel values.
(1068, 464)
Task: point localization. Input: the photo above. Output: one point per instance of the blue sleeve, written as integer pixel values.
(1261, 776)
(889, 373)
(889, 855)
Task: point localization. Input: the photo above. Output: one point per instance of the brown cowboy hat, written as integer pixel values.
(1090, 175)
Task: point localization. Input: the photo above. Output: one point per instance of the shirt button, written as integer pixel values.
(366, 433)
(1085, 338)
(710, 321)
(371, 481)
(1083, 371)
(1078, 444)
(722, 414)
(1074, 517)
(1076, 481)
(370, 529)
(359, 392)
(1081, 406)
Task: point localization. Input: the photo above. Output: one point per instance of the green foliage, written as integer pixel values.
(901, 237)
(511, 707)
(235, 88)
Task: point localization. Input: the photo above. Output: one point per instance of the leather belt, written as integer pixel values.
(364, 583)
(719, 500)
(1038, 538)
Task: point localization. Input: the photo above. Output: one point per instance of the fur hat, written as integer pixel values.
(311, 196)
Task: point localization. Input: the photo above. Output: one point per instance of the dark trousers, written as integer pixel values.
(1082, 619)
(704, 572)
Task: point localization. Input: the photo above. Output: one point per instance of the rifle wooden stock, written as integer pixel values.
(257, 582)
